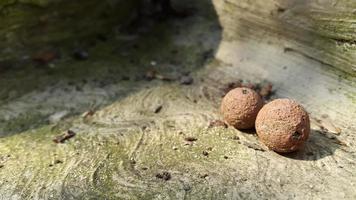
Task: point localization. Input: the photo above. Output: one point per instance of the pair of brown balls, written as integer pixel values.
(282, 124)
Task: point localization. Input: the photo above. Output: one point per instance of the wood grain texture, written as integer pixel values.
(117, 152)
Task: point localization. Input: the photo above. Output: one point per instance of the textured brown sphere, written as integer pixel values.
(283, 125)
(240, 107)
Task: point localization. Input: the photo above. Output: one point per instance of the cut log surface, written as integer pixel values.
(145, 133)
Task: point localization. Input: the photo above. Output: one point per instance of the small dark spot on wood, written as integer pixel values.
(287, 49)
(133, 162)
(236, 137)
(205, 153)
(1, 166)
(57, 161)
(332, 137)
(65, 136)
(187, 187)
(203, 175)
(144, 168)
(164, 175)
(88, 113)
(158, 109)
(209, 148)
(217, 123)
(226, 157)
(281, 10)
(190, 139)
(341, 41)
(340, 142)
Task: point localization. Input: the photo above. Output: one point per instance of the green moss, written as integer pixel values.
(94, 165)
(5, 3)
(336, 25)
(108, 62)
(98, 162)
(22, 122)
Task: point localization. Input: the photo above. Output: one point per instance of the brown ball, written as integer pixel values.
(283, 125)
(240, 107)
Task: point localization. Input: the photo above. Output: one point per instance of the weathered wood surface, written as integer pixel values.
(118, 151)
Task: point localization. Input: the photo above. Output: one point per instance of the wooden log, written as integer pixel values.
(141, 139)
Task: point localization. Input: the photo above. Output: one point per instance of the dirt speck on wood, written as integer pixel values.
(158, 109)
(88, 113)
(164, 176)
(190, 139)
(65, 136)
(217, 123)
(205, 153)
(235, 137)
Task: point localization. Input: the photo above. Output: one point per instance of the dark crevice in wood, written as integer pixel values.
(344, 41)
(288, 49)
